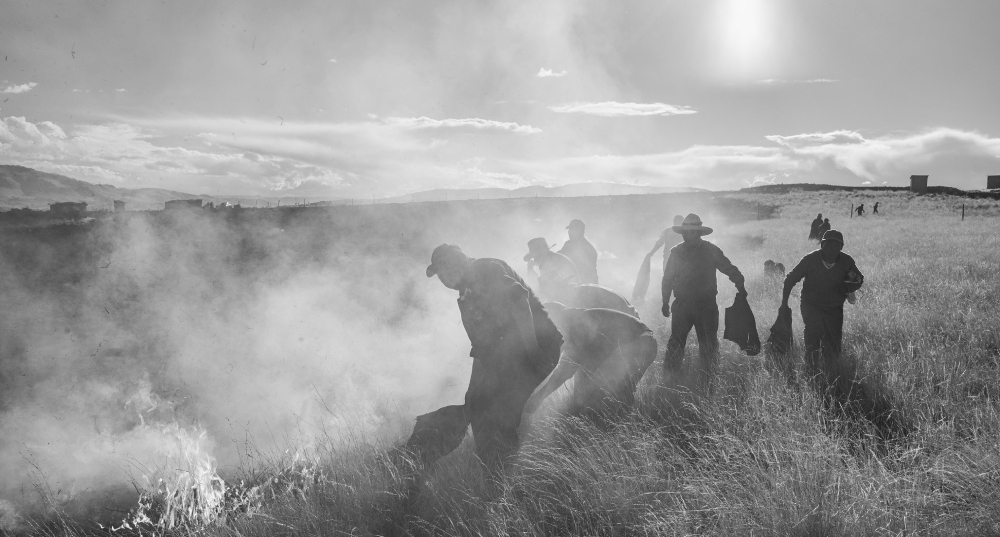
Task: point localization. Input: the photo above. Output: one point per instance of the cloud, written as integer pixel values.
(20, 89)
(818, 138)
(546, 73)
(777, 81)
(121, 90)
(476, 123)
(333, 60)
(614, 109)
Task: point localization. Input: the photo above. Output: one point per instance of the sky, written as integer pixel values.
(353, 98)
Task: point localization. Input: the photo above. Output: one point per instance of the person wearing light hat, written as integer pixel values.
(514, 346)
(829, 277)
(690, 276)
(554, 268)
(581, 252)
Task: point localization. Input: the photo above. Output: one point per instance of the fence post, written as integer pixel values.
(852, 211)
(963, 211)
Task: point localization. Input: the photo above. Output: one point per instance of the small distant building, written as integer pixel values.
(992, 181)
(918, 184)
(119, 206)
(68, 208)
(174, 205)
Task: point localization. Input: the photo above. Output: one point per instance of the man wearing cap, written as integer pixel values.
(830, 275)
(581, 252)
(690, 276)
(553, 267)
(514, 345)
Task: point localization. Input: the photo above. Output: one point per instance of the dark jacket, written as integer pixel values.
(690, 271)
(584, 256)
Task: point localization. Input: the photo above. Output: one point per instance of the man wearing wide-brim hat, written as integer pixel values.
(690, 276)
(554, 268)
(830, 275)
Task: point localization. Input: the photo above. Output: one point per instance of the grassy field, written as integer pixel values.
(914, 449)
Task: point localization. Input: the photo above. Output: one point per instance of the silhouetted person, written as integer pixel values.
(774, 270)
(579, 250)
(553, 267)
(814, 227)
(861, 209)
(606, 353)
(875, 208)
(642, 278)
(823, 228)
(690, 276)
(668, 237)
(514, 346)
(829, 276)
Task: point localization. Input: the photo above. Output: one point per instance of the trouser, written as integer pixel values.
(824, 331)
(703, 315)
(500, 385)
(611, 386)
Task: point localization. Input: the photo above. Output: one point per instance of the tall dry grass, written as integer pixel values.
(913, 449)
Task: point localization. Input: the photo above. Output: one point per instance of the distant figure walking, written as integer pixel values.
(690, 276)
(581, 252)
(860, 210)
(830, 275)
(823, 228)
(814, 227)
(875, 208)
(554, 268)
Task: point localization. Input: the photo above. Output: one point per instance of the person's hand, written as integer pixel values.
(665, 310)
(741, 291)
(784, 306)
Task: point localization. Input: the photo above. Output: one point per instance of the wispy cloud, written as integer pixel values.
(333, 60)
(777, 81)
(20, 89)
(615, 109)
(476, 123)
(121, 90)
(546, 73)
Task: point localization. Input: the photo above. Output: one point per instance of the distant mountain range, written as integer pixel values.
(565, 191)
(25, 187)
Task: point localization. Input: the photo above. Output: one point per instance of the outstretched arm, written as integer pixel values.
(793, 278)
(564, 371)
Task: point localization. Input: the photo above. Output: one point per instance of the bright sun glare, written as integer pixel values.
(744, 32)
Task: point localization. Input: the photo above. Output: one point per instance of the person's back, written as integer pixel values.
(589, 296)
(584, 256)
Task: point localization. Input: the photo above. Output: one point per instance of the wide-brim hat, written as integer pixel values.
(692, 222)
(536, 246)
(442, 255)
(574, 223)
(833, 235)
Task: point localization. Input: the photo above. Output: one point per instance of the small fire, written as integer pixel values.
(184, 488)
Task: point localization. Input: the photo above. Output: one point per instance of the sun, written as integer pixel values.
(744, 37)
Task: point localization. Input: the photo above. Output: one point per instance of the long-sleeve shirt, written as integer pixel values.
(690, 271)
(584, 256)
(825, 287)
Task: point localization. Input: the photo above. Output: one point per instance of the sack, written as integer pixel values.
(438, 433)
(741, 327)
(780, 340)
(641, 282)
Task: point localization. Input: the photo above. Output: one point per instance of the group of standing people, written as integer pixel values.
(523, 350)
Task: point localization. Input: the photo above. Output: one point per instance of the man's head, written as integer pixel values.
(826, 220)
(832, 243)
(820, 215)
(537, 247)
(576, 229)
(449, 263)
(691, 228)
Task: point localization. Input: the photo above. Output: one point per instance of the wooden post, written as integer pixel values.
(852, 211)
(963, 211)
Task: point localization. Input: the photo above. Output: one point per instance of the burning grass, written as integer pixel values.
(906, 443)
